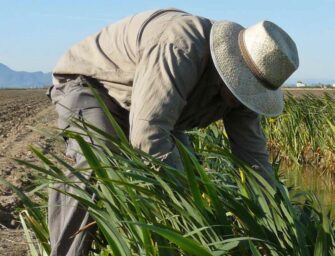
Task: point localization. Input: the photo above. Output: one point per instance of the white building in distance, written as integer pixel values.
(300, 84)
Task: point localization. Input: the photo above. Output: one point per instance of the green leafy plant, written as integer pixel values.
(304, 133)
(144, 207)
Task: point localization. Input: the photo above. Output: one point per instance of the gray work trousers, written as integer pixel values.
(74, 98)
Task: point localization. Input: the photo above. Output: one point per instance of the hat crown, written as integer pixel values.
(272, 51)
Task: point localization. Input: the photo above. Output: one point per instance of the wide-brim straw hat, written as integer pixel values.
(254, 63)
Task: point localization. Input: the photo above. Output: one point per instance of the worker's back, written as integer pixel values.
(111, 56)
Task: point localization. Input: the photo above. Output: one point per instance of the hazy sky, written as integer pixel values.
(35, 33)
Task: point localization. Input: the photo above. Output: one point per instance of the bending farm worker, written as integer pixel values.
(161, 73)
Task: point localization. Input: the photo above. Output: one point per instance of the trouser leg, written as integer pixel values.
(66, 216)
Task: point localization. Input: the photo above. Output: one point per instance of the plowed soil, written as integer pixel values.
(21, 111)
(315, 91)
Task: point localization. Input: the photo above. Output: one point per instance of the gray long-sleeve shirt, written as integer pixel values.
(157, 65)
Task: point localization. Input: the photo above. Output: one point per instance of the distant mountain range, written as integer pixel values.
(20, 79)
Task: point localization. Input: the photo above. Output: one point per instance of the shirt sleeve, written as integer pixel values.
(165, 77)
(247, 140)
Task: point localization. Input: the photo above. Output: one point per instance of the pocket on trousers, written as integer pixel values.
(70, 105)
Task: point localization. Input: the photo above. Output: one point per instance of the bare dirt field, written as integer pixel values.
(314, 91)
(20, 112)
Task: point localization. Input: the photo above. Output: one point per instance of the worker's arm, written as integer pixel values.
(247, 140)
(165, 77)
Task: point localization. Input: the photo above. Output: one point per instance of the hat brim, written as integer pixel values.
(235, 73)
